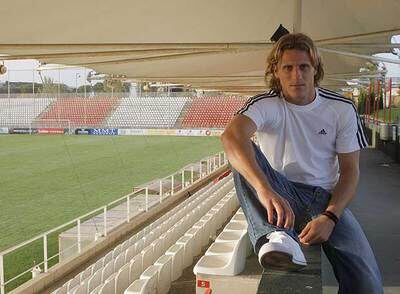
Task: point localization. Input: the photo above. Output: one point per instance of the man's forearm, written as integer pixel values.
(343, 192)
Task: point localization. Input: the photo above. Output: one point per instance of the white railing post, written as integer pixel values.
(147, 198)
(219, 159)
(215, 163)
(172, 184)
(161, 191)
(2, 286)
(45, 253)
(78, 225)
(191, 174)
(105, 221)
(183, 179)
(201, 170)
(128, 208)
(208, 166)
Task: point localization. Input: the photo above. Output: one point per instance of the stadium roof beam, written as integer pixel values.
(103, 53)
(152, 58)
(372, 58)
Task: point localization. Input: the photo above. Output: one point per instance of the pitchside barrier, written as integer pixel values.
(65, 127)
(86, 229)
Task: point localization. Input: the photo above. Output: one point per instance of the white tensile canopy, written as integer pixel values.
(209, 44)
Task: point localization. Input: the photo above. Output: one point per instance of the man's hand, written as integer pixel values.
(317, 231)
(277, 206)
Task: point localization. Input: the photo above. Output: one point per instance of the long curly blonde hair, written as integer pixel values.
(296, 41)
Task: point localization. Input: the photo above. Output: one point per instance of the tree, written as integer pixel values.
(49, 87)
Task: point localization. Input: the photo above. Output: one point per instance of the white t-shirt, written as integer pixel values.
(302, 142)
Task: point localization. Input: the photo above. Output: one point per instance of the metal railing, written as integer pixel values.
(186, 176)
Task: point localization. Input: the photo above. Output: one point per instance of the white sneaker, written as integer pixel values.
(281, 252)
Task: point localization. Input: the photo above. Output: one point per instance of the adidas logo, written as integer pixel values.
(322, 132)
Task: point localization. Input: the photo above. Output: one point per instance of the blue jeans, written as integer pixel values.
(347, 249)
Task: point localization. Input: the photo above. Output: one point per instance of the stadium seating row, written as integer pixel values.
(147, 112)
(89, 112)
(20, 112)
(157, 255)
(211, 112)
(126, 112)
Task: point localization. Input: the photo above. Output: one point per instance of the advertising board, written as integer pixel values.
(103, 132)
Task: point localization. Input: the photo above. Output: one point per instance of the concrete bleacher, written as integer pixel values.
(211, 112)
(155, 256)
(80, 112)
(21, 112)
(147, 112)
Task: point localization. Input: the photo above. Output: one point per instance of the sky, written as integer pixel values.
(24, 71)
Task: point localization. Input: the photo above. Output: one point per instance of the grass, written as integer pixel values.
(394, 116)
(46, 181)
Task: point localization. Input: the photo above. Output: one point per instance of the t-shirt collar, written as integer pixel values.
(306, 107)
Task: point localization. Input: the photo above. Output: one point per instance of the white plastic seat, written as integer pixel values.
(148, 238)
(236, 226)
(96, 290)
(107, 270)
(135, 268)
(227, 236)
(179, 229)
(141, 286)
(71, 284)
(122, 279)
(195, 233)
(87, 273)
(94, 280)
(139, 245)
(107, 258)
(211, 220)
(224, 258)
(108, 287)
(172, 236)
(125, 245)
(116, 251)
(164, 274)
(130, 253)
(158, 248)
(187, 242)
(119, 261)
(239, 217)
(133, 239)
(176, 251)
(151, 273)
(147, 257)
(82, 288)
(140, 234)
(205, 228)
(98, 265)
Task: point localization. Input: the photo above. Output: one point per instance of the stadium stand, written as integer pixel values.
(211, 112)
(151, 259)
(81, 112)
(20, 112)
(126, 112)
(147, 112)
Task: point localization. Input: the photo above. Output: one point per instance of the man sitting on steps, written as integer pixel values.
(295, 188)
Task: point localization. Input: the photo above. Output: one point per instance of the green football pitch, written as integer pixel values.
(46, 181)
